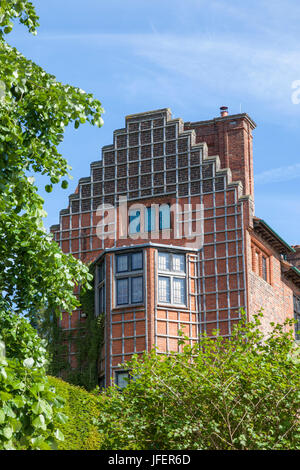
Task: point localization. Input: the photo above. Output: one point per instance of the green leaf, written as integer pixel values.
(28, 363)
(2, 417)
(7, 432)
(59, 435)
(48, 188)
(39, 422)
(61, 418)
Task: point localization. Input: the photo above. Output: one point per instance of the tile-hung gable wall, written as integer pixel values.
(155, 160)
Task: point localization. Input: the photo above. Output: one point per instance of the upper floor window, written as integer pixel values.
(150, 219)
(134, 221)
(101, 288)
(261, 263)
(264, 268)
(164, 217)
(297, 317)
(171, 278)
(129, 278)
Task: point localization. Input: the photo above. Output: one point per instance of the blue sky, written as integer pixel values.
(192, 56)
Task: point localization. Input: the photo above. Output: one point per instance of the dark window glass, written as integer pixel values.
(264, 269)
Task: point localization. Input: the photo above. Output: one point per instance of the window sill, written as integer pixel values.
(173, 306)
(120, 307)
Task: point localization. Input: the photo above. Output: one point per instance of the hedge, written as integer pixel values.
(81, 408)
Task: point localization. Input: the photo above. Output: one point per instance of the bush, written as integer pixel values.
(238, 393)
(28, 403)
(81, 408)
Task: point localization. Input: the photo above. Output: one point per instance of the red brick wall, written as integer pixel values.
(274, 296)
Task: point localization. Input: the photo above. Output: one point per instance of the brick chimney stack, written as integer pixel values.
(230, 137)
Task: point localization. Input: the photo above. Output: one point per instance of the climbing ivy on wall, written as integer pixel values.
(87, 339)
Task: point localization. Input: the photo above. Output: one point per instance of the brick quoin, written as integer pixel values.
(242, 263)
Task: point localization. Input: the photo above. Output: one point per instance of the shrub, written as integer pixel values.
(224, 393)
(81, 408)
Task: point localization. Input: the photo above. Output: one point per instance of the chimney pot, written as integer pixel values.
(224, 111)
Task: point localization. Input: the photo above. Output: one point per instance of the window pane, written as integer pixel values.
(101, 272)
(134, 221)
(122, 263)
(137, 261)
(149, 219)
(101, 300)
(297, 317)
(164, 216)
(164, 290)
(179, 263)
(257, 263)
(164, 261)
(178, 291)
(122, 291)
(264, 268)
(122, 379)
(137, 289)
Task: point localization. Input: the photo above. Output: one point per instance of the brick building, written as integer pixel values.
(167, 217)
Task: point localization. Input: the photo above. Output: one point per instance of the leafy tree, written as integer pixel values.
(236, 393)
(34, 110)
(30, 409)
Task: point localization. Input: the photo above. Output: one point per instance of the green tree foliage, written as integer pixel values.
(81, 408)
(238, 393)
(34, 111)
(29, 404)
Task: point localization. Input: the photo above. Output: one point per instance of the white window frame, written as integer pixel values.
(172, 275)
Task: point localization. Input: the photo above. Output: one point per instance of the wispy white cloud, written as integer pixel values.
(220, 65)
(277, 175)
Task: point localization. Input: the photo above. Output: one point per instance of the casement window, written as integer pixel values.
(261, 263)
(164, 217)
(257, 263)
(171, 278)
(129, 278)
(264, 270)
(297, 317)
(149, 219)
(101, 288)
(134, 221)
(150, 225)
(122, 378)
